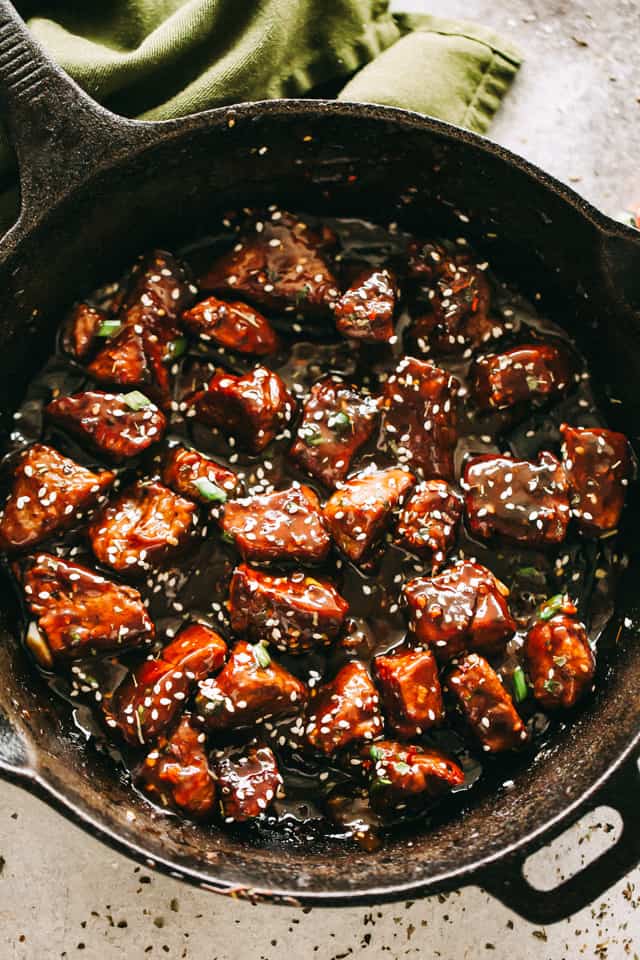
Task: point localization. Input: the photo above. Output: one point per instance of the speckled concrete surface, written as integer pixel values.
(575, 110)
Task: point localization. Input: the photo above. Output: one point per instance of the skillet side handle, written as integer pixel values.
(59, 133)
(508, 884)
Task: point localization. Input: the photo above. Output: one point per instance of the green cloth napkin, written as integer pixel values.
(156, 59)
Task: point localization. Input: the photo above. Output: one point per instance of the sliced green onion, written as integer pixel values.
(402, 767)
(175, 348)
(311, 436)
(210, 491)
(108, 328)
(551, 607)
(303, 293)
(380, 782)
(228, 537)
(560, 661)
(136, 400)
(261, 654)
(339, 421)
(552, 686)
(376, 753)
(520, 685)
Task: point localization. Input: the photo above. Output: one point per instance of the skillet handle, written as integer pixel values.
(508, 884)
(60, 134)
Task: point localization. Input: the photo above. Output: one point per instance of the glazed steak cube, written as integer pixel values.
(419, 417)
(559, 659)
(152, 697)
(529, 374)
(278, 264)
(197, 477)
(79, 613)
(141, 526)
(285, 525)
(138, 357)
(248, 780)
(336, 421)
(463, 608)
(118, 425)
(158, 284)
(81, 329)
(521, 500)
(253, 407)
(426, 261)
(459, 317)
(250, 688)
(429, 520)
(365, 311)
(358, 513)
(410, 690)
(345, 711)
(403, 775)
(50, 493)
(176, 773)
(294, 613)
(598, 467)
(234, 325)
(485, 705)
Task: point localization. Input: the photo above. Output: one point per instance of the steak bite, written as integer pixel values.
(151, 698)
(277, 264)
(598, 468)
(521, 500)
(197, 477)
(50, 493)
(405, 776)
(529, 374)
(344, 711)
(233, 325)
(253, 407)
(248, 780)
(141, 527)
(295, 613)
(419, 417)
(463, 608)
(117, 425)
(485, 705)
(365, 311)
(358, 513)
(250, 688)
(284, 525)
(81, 329)
(458, 319)
(176, 772)
(411, 695)
(80, 613)
(559, 658)
(149, 308)
(429, 520)
(336, 421)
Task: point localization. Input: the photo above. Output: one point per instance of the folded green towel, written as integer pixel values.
(156, 59)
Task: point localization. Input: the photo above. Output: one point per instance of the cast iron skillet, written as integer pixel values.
(96, 190)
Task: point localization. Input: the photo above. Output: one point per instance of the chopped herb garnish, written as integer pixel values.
(339, 421)
(402, 767)
(175, 348)
(228, 537)
(560, 661)
(376, 753)
(108, 328)
(311, 436)
(552, 686)
(551, 607)
(75, 637)
(520, 685)
(380, 782)
(303, 294)
(136, 400)
(210, 491)
(261, 654)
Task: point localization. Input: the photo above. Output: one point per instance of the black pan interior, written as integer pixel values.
(343, 161)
